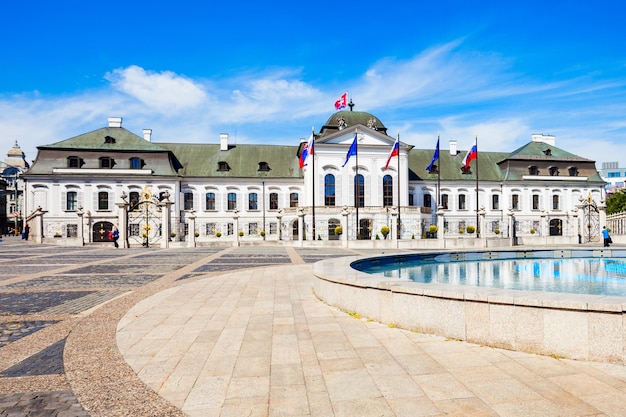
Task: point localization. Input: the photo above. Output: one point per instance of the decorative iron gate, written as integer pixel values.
(144, 220)
(591, 229)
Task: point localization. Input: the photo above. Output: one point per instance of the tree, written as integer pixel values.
(616, 203)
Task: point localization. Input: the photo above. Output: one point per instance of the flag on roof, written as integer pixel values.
(351, 151)
(471, 155)
(435, 157)
(395, 151)
(341, 102)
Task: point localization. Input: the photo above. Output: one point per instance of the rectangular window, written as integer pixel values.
(535, 201)
(210, 201)
(273, 228)
(293, 200)
(232, 201)
(273, 201)
(462, 202)
(210, 229)
(444, 201)
(515, 202)
(72, 230)
(188, 201)
(495, 202)
(555, 202)
(253, 228)
(103, 200)
(427, 200)
(229, 229)
(253, 201)
(411, 200)
(72, 201)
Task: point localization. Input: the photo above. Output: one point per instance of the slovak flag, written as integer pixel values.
(395, 151)
(306, 151)
(471, 155)
(342, 102)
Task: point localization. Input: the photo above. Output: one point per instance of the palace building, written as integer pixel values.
(355, 176)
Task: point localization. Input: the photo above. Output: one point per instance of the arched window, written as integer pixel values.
(359, 191)
(387, 191)
(329, 190)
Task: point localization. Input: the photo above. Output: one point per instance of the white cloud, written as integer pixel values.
(163, 92)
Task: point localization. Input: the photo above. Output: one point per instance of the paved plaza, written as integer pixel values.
(99, 331)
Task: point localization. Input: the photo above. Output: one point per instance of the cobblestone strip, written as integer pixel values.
(84, 303)
(15, 330)
(44, 404)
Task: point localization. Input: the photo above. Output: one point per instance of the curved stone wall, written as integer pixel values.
(584, 327)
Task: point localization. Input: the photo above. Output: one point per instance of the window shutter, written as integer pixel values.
(79, 199)
(64, 201)
(96, 203)
(367, 190)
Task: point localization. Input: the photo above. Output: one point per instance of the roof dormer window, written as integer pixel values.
(136, 163)
(264, 166)
(74, 162)
(533, 170)
(548, 152)
(554, 171)
(107, 162)
(109, 139)
(572, 171)
(223, 166)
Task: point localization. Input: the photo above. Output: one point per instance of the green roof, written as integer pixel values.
(544, 151)
(201, 160)
(450, 165)
(124, 140)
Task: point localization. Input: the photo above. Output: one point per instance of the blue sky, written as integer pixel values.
(265, 72)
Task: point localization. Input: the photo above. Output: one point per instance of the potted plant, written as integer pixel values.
(461, 230)
(218, 234)
(196, 234)
(532, 231)
(240, 233)
(173, 234)
(338, 230)
(496, 231)
(384, 231)
(470, 229)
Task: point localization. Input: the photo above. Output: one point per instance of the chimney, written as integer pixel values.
(453, 150)
(147, 134)
(223, 141)
(540, 137)
(115, 122)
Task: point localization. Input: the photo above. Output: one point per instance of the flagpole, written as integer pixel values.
(313, 172)
(438, 174)
(357, 191)
(477, 220)
(399, 226)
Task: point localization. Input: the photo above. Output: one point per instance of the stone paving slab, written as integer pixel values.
(176, 342)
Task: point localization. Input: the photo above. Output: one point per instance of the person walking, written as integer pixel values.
(116, 236)
(26, 232)
(606, 236)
